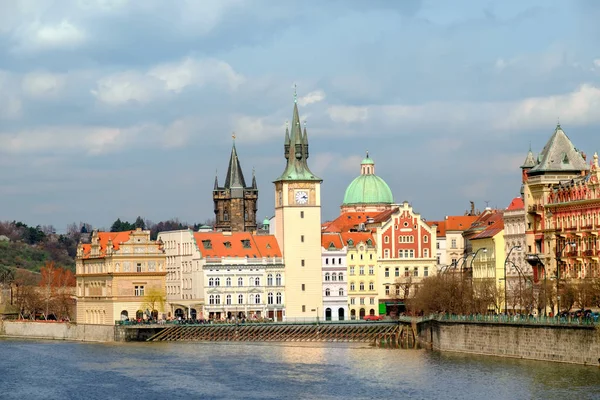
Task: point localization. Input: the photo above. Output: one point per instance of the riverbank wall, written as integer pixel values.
(559, 343)
(57, 331)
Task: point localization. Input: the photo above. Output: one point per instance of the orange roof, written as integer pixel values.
(349, 220)
(516, 204)
(329, 239)
(441, 227)
(357, 237)
(495, 224)
(232, 245)
(459, 222)
(103, 238)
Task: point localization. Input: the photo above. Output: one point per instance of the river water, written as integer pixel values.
(69, 370)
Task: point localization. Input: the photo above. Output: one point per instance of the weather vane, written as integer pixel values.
(233, 135)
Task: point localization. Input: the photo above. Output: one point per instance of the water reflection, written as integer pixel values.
(62, 370)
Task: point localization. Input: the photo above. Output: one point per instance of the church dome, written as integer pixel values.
(368, 188)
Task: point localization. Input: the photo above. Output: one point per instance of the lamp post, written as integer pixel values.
(475, 256)
(518, 247)
(521, 274)
(558, 257)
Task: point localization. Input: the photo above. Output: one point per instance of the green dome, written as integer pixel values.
(367, 160)
(368, 189)
(266, 221)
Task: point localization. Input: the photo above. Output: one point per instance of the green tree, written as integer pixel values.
(139, 223)
(154, 299)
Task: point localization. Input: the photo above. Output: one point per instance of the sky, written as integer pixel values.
(118, 108)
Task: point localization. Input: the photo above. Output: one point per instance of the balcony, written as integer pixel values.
(589, 253)
(535, 209)
(244, 261)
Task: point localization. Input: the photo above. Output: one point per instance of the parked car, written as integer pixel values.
(373, 317)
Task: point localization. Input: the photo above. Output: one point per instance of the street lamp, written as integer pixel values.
(558, 254)
(521, 274)
(475, 256)
(518, 247)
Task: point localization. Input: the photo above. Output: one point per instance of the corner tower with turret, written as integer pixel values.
(235, 203)
(298, 225)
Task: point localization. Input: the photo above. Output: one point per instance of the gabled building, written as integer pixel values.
(335, 284)
(361, 260)
(235, 203)
(120, 276)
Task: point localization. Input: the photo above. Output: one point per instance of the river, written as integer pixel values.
(71, 370)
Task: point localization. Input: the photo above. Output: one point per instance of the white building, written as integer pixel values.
(335, 294)
(519, 273)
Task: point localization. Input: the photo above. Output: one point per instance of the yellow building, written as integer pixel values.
(298, 226)
(361, 263)
(120, 275)
(487, 259)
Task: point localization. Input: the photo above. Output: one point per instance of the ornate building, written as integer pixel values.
(120, 275)
(235, 203)
(298, 225)
(518, 271)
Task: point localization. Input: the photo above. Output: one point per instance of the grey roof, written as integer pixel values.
(559, 155)
(529, 160)
(235, 177)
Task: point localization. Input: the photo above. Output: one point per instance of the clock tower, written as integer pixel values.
(298, 225)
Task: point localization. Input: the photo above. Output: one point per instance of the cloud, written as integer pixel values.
(348, 114)
(257, 128)
(312, 97)
(123, 87)
(41, 37)
(43, 84)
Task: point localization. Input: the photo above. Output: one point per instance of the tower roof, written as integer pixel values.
(559, 155)
(296, 168)
(368, 188)
(529, 160)
(235, 177)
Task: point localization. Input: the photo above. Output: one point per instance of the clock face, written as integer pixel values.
(301, 197)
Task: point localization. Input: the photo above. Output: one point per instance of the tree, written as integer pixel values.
(57, 285)
(154, 299)
(139, 223)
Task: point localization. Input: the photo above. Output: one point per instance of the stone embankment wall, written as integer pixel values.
(569, 344)
(57, 331)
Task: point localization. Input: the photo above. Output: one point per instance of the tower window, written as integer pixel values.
(303, 287)
(302, 238)
(225, 216)
(301, 214)
(302, 263)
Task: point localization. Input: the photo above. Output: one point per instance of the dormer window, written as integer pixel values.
(227, 245)
(369, 242)
(207, 244)
(246, 244)
(350, 242)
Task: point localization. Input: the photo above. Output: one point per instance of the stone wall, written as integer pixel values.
(569, 344)
(57, 331)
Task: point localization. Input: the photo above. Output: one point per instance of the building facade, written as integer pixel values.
(335, 284)
(298, 225)
(361, 260)
(235, 203)
(519, 273)
(120, 275)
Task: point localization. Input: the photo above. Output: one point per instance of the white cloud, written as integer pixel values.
(312, 97)
(10, 102)
(42, 84)
(40, 37)
(348, 114)
(597, 62)
(256, 128)
(122, 87)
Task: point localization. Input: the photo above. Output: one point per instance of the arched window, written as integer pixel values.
(333, 277)
(211, 282)
(278, 279)
(270, 298)
(240, 299)
(257, 299)
(251, 299)
(211, 299)
(217, 281)
(217, 299)
(371, 286)
(327, 292)
(341, 291)
(228, 281)
(240, 281)
(270, 280)
(228, 300)
(361, 287)
(257, 281)
(278, 298)
(352, 286)
(327, 277)
(341, 276)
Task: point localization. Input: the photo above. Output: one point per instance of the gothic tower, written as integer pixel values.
(235, 203)
(298, 225)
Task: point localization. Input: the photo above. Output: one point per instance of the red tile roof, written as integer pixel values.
(495, 225)
(441, 228)
(459, 222)
(329, 239)
(103, 238)
(350, 220)
(232, 245)
(357, 237)
(516, 204)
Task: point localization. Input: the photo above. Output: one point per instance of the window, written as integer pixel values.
(425, 271)
(453, 243)
(386, 253)
(333, 261)
(139, 291)
(217, 299)
(207, 244)
(372, 300)
(278, 298)
(361, 270)
(251, 299)
(278, 279)
(257, 299)
(228, 281)
(303, 287)
(240, 299)
(352, 301)
(327, 277)
(211, 281)
(411, 253)
(352, 286)
(225, 216)
(246, 244)
(257, 281)
(387, 290)
(327, 261)
(217, 281)
(211, 299)
(361, 286)
(302, 238)
(362, 300)
(371, 270)
(397, 271)
(397, 290)
(227, 245)
(352, 256)
(341, 276)
(341, 292)
(371, 286)
(270, 298)
(270, 280)
(327, 292)
(139, 267)
(301, 214)
(437, 246)
(406, 272)
(228, 300)
(361, 256)
(416, 271)
(302, 263)
(387, 272)
(351, 270)
(340, 260)
(240, 282)
(425, 239)
(386, 239)
(303, 308)
(426, 253)
(333, 277)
